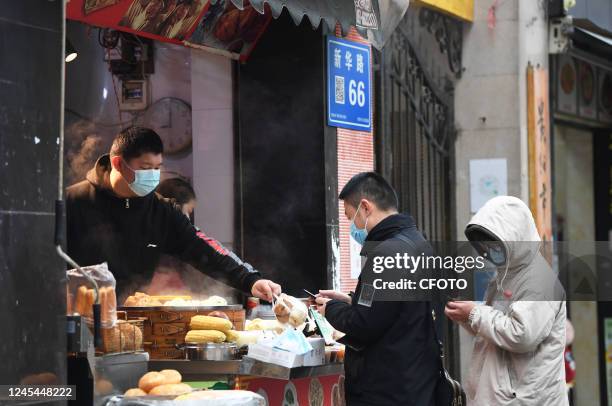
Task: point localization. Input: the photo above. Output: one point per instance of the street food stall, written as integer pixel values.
(177, 348)
(162, 344)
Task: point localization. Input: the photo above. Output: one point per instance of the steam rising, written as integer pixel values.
(173, 277)
(85, 142)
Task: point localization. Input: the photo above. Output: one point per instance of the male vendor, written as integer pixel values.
(115, 216)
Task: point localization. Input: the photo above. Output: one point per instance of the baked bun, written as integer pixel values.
(171, 375)
(150, 380)
(134, 392)
(171, 389)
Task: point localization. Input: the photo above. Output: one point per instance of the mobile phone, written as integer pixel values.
(453, 298)
(309, 293)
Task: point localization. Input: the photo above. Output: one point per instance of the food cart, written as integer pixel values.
(315, 378)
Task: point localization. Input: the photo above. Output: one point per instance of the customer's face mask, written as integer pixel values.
(145, 180)
(358, 234)
(495, 252)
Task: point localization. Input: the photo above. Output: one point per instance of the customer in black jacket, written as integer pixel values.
(394, 360)
(115, 216)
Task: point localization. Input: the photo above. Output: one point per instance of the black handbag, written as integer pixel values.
(448, 391)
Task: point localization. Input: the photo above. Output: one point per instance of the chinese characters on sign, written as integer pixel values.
(348, 85)
(539, 151)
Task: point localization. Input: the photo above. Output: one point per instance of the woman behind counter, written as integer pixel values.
(181, 193)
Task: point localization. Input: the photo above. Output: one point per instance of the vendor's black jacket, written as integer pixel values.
(398, 359)
(131, 234)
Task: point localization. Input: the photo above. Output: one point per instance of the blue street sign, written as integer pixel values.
(349, 104)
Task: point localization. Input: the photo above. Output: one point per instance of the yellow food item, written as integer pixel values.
(131, 301)
(210, 323)
(134, 392)
(232, 335)
(81, 300)
(150, 380)
(141, 300)
(172, 375)
(242, 338)
(104, 311)
(91, 299)
(259, 324)
(171, 389)
(205, 336)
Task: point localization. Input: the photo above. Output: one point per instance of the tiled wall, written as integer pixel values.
(355, 154)
(213, 143)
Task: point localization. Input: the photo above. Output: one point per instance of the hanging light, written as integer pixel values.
(71, 53)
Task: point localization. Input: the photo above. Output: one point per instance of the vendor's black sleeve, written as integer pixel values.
(362, 323)
(184, 243)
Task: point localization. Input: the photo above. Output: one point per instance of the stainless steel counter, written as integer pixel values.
(207, 370)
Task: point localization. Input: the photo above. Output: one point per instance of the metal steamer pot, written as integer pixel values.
(209, 351)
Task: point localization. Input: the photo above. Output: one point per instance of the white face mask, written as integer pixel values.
(145, 180)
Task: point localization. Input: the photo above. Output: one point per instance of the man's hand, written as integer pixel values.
(266, 289)
(321, 304)
(334, 294)
(459, 311)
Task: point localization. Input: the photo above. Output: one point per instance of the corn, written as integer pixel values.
(205, 336)
(232, 335)
(210, 323)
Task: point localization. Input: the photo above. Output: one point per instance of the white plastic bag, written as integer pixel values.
(81, 296)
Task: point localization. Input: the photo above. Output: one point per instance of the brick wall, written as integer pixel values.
(355, 154)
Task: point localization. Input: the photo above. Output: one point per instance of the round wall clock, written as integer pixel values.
(170, 117)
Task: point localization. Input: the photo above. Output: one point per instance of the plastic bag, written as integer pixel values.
(292, 341)
(81, 296)
(291, 311)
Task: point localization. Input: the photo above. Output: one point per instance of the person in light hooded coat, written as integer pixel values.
(519, 331)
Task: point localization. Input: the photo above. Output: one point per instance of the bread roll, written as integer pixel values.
(91, 296)
(172, 375)
(134, 392)
(81, 300)
(131, 301)
(150, 380)
(104, 313)
(111, 304)
(131, 336)
(170, 389)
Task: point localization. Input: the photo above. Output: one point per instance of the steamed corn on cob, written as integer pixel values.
(205, 336)
(232, 335)
(210, 323)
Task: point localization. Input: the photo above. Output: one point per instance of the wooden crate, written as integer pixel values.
(164, 328)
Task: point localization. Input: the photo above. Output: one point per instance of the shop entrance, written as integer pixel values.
(575, 221)
(415, 136)
(415, 133)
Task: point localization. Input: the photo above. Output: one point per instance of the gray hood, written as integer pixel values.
(510, 220)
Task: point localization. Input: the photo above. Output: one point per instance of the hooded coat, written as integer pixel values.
(519, 331)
